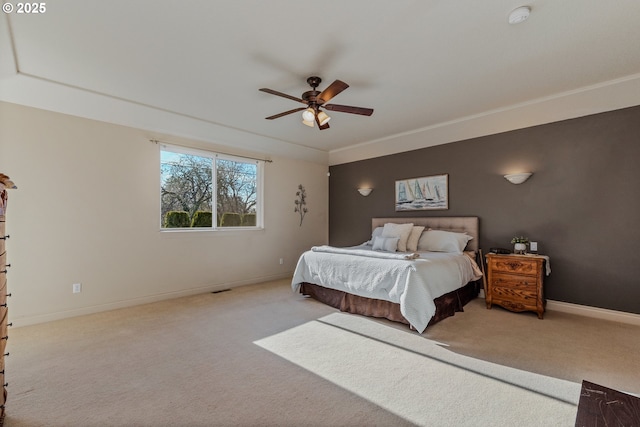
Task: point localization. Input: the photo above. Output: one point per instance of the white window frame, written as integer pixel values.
(214, 156)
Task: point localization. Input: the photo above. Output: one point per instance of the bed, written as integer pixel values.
(415, 285)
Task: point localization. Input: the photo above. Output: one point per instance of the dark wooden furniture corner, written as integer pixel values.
(602, 406)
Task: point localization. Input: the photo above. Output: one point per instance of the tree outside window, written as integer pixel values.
(189, 198)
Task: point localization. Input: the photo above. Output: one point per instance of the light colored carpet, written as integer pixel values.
(562, 345)
(420, 380)
(262, 356)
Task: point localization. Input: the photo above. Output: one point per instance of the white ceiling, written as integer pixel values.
(435, 71)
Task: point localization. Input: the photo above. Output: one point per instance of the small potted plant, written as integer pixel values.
(519, 244)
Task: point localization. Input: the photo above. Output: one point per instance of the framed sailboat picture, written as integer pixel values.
(421, 194)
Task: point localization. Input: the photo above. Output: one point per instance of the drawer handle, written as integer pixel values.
(510, 281)
(5, 237)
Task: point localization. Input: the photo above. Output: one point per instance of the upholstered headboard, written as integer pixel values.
(460, 224)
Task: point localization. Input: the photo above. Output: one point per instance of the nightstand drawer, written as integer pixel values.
(513, 265)
(525, 283)
(516, 296)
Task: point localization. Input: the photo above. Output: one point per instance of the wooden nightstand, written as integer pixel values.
(516, 282)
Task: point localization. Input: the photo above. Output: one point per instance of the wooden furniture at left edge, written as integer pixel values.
(516, 282)
(5, 183)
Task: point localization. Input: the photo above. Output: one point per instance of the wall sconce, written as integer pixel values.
(518, 178)
(365, 191)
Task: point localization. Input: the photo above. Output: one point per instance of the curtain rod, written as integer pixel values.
(157, 141)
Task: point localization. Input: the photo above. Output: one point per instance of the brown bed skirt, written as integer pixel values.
(446, 305)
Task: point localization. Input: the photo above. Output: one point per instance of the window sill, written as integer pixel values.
(208, 231)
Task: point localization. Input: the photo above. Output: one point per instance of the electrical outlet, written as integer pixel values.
(281, 261)
(77, 288)
(533, 246)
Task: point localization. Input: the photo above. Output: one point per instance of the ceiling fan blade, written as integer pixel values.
(333, 89)
(295, 110)
(349, 109)
(284, 95)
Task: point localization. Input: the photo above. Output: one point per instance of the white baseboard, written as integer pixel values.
(585, 310)
(596, 312)
(49, 317)
(565, 307)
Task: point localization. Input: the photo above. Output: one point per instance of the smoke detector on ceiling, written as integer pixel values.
(519, 14)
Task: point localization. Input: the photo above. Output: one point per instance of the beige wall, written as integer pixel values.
(86, 210)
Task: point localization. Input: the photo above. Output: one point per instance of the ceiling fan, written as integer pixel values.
(314, 99)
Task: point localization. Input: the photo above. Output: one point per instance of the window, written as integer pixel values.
(192, 199)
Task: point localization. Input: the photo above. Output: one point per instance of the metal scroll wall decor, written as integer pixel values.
(301, 202)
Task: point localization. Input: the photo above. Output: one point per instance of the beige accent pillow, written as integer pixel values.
(401, 231)
(414, 236)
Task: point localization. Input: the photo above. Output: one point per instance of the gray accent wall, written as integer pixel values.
(581, 205)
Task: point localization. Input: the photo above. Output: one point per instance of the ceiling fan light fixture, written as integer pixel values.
(314, 99)
(309, 115)
(323, 118)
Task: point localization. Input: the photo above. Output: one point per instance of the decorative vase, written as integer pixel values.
(519, 248)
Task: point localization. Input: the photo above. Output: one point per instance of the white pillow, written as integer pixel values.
(443, 241)
(401, 231)
(386, 244)
(412, 242)
(377, 232)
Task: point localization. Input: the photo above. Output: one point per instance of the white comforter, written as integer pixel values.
(413, 283)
